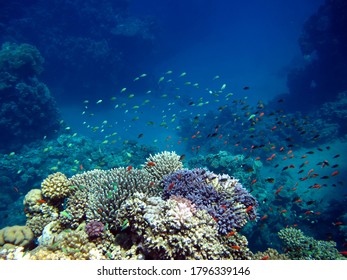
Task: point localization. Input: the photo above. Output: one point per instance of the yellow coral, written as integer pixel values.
(162, 164)
(56, 186)
(16, 236)
(31, 199)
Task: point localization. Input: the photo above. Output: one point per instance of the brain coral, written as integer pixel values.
(221, 196)
(174, 229)
(56, 186)
(16, 236)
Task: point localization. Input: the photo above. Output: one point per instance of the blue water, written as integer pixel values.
(262, 80)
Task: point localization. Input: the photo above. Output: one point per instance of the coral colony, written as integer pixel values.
(159, 211)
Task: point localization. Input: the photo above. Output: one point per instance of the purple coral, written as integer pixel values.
(94, 229)
(227, 206)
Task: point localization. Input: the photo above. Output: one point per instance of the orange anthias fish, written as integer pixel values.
(279, 190)
(171, 186)
(263, 218)
(41, 201)
(315, 186)
(235, 247)
(335, 173)
(129, 168)
(151, 163)
(249, 208)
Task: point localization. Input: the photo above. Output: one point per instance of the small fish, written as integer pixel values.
(279, 190)
(249, 208)
(41, 201)
(249, 169)
(246, 88)
(183, 74)
(235, 247)
(151, 163)
(265, 258)
(125, 224)
(169, 188)
(335, 173)
(264, 218)
(315, 186)
(310, 202)
(129, 168)
(310, 152)
(336, 156)
(182, 157)
(231, 233)
(65, 214)
(270, 180)
(140, 135)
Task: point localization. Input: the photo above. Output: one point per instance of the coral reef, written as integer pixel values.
(174, 229)
(300, 247)
(27, 111)
(16, 236)
(322, 43)
(222, 196)
(110, 48)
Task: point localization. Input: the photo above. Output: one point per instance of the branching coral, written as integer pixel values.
(221, 196)
(301, 247)
(175, 230)
(107, 190)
